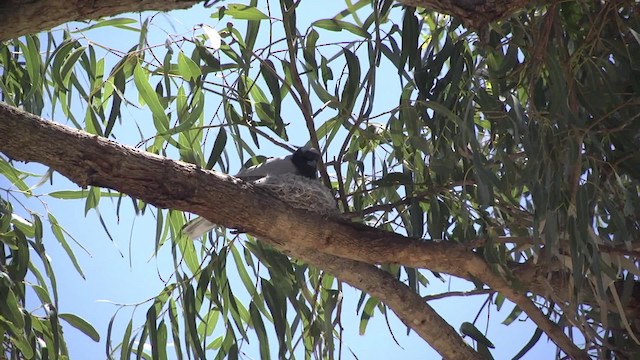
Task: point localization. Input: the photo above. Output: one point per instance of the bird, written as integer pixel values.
(303, 162)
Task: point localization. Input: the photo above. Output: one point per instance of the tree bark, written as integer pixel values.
(91, 160)
(20, 17)
(28, 17)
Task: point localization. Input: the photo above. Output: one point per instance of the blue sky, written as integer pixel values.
(126, 272)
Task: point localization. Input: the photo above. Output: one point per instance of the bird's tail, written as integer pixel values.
(197, 227)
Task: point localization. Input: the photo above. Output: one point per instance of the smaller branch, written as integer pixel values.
(458, 293)
(555, 332)
(414, 312)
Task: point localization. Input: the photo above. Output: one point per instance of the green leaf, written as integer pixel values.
(215, 344)
(39, 249)
(115, 22)
(141, 344)
(218, 148)
(339, 25)
(268, 71)
(189, 254)
(175, 328)
(190, 314)
(310, 49)
(19, 258)
(150, 97)
(212, 62)
(82, 325)
(513, 315)
(253, 29)
(42, 293)
(10, 308)
(23, 225)
(244, 12)
(278, 306)
(126, 339)
(159, 227)
(54, 322)
(58, 233)
(33, 62)
(410, 34)
(242, 272)
(367, 313)
(529, 345)
(60, 55)
(14, 175)
(23, 344)
(81, 194)
(153, 331)
(261, 332)
(92, 200)
(208, 323)
(188, 68)
(70, 61)
(472, 331)
(350, 91)
(162, 341)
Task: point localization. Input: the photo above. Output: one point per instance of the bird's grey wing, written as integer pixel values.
(275, 166)
(197, 227)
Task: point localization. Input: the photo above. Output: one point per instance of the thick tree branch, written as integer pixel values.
(19, 17)
(91, 160)
(27, 17)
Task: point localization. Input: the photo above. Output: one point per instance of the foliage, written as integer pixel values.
(37, 333)
(526, 130)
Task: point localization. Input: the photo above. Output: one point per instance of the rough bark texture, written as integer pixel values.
(26, 17)
(91, 160)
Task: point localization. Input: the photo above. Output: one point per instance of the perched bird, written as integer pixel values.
(302, 163)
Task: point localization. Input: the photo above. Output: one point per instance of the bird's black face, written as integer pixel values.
(306, 162)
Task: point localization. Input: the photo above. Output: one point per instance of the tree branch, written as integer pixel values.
(91, 160)
(413, 310)
(19, 17)
(27, 17)
(458, 293)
